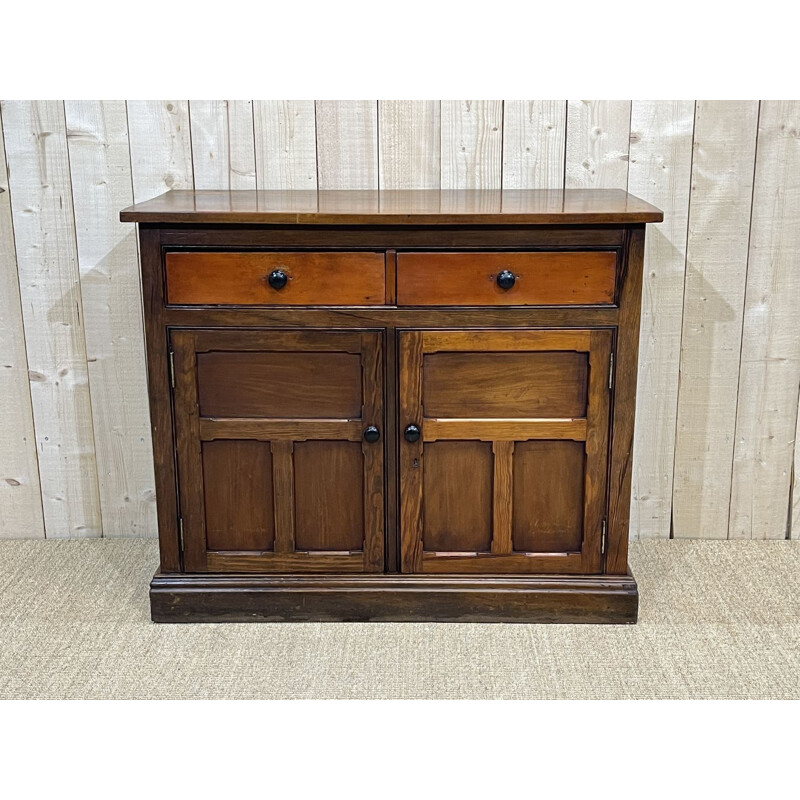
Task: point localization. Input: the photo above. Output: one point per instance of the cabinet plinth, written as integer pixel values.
(395, 406)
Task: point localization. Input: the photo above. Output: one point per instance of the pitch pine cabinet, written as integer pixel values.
(393, 405)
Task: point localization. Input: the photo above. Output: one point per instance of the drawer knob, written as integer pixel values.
(411, 433)
(371, 434)
(277, 279)
(506, 279)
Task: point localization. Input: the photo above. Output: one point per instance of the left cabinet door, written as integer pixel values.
(280, 449)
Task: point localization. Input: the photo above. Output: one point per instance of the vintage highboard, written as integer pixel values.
(393, 406)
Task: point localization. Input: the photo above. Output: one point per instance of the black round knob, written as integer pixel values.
(412, 433)
(371, 434)
(277, 279)
(506, 279)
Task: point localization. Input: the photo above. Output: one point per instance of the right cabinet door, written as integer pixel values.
(504, 450)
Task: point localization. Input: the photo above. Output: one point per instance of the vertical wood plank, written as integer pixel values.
(161, 150)
(286, 144)
(769, 373)
(409, 144)
(223, 151)
(598, 136)
(716, 272)
(534, 142)
(371, 414)
(503, 493)
(20, 495)
(50, 289)
(97, 139)
(347, 144)
(660, 172)
(472, 144)
(283, 495)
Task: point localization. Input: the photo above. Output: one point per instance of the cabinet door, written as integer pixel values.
(508, 473)
(277, 470)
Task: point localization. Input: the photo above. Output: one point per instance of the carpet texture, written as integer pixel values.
(717, 620)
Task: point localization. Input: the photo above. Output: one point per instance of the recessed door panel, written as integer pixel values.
(504, 453)
(276, 471)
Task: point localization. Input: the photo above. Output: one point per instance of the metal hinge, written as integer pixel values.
(172, 369)
(610, 370)
(180, 531)
(603, 537)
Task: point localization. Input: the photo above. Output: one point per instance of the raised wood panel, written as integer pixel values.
(457, 496)
(660, 171)
(242, 278)
(466, 279)
(328, 496)
(237, 487)
(713, 307)
(500, 385)
(20, 495)
(50, 290)
(100, 168)
(223, 149)
(770, 362)
(279, 385)
(534, 142)
(548, 488)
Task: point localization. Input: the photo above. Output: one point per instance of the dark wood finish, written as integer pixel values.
(457, 496)
(505, 384)
(392, 598)
(325, 485)
(331, 279)
(237, 489)
(411, 207)
(471, 279)
(524, 454)
(273, 385)
(472, 415)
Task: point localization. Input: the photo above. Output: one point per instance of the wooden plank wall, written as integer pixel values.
(716, 449)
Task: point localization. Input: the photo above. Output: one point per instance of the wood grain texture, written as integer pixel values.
(598, 133)
(161, 148)
(223, 149)
(99, 157)
(50, 290)
(409, 152)
(347, 144)
(20, 495)
(769, 374)
(660, 170)
(330, 279)
(534, 142)
(503, 500)
(286, 144)
(716, 273)
(472, 144)
(471, 279)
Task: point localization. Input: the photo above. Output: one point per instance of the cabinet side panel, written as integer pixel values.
(624, 404)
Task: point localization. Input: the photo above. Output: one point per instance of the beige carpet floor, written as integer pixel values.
(718, 620)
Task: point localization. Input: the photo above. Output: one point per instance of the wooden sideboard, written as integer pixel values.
(393, 405)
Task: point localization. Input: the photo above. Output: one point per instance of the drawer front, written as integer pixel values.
(266, 279)
(506, 279)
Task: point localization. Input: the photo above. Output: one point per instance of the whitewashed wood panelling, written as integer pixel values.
(716, 452)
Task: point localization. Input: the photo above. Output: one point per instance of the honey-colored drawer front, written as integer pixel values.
(335, 279)
(506, 279)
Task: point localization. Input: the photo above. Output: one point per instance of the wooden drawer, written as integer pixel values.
(476, 279)
(330, 279)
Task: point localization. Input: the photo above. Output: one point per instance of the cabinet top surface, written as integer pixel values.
(400, 207)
